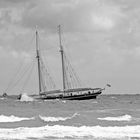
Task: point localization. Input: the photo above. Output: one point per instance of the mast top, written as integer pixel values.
(60, 38)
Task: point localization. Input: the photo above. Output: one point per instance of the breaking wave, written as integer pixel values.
(119, 118)
(25, 98)
(83, 132)
(56, 119)
(13, 118)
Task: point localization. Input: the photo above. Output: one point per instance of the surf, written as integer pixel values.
(25, 98)
(60, 131)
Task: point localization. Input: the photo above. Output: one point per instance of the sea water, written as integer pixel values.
(109, 117)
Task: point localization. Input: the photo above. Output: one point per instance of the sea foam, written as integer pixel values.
(59, 132)
(56, 119)
(13, 118)
(26, 98)
(119, 118)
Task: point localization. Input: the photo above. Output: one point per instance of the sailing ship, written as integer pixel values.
(71, 89)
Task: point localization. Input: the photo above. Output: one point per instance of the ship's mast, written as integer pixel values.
(38, 61)
(62, 58)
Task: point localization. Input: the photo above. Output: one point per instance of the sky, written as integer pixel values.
(101, 37)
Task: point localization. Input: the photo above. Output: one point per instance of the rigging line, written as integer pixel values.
(18, 68)
(18, 75)
(46, 67)
(46, 73)
(66, 73)
(42, 79)
(21, 76)
(34, 77)
(51, 84)
(69, 81)
(44, 82)
(72, 80)
(70, 69)
(73, 77)
(43, 74)
(77, 84)
(67, 76)
(64, 46)
(75, 74)
(48, 81)
(28, 76)
(68, 55)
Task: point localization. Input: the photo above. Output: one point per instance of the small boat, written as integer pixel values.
(70, 80)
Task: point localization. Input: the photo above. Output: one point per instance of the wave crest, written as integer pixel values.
(13, 118)
(119, 118)
(56, 119)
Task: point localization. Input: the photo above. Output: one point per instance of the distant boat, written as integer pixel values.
(70, 80)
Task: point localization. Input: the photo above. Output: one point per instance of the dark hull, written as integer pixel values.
(73, 97)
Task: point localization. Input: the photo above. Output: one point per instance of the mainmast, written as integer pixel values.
(38, 61)
(62, 58)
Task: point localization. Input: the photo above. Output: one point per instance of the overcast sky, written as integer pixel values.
(102, 38)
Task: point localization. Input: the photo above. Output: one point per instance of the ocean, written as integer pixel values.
(109, 117)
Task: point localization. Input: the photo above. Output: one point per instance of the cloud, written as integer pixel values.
(10, 15)
(74, 15)
(103, 22)
(12, 55)
(106, 16)
(9, 2)
(102, 36)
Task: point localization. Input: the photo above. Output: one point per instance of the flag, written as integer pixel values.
(108, 85)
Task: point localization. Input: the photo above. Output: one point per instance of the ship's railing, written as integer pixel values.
(70, 91)
(51, 92)
(81, 89)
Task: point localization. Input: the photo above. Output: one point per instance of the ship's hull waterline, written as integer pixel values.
(69, 97)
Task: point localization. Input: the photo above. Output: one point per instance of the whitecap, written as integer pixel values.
(113, 97)
(63, 101)
(25, 98)
(56, 119)
(119, 118)
(13, 118)
(60, 132)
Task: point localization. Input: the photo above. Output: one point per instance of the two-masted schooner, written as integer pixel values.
(70, 81)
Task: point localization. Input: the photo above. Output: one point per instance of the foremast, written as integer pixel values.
(38, 62)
